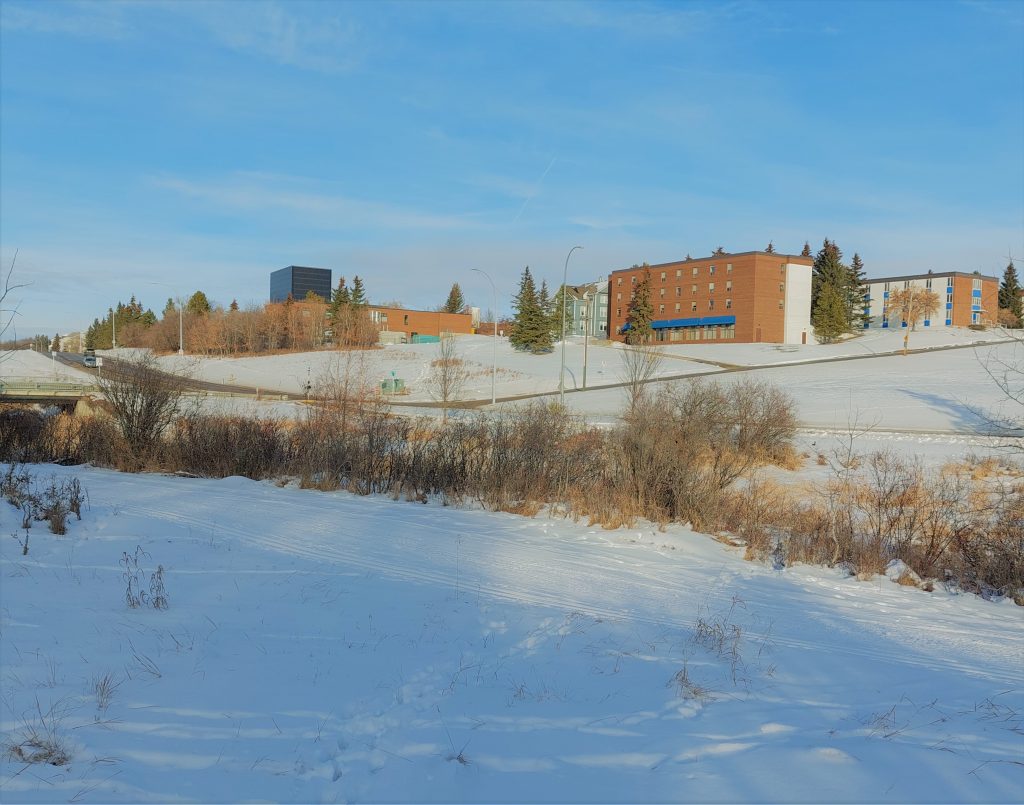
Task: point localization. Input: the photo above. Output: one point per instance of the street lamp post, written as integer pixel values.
(586, 334)
(113, 324)
(565, 280)
(181, 317)
(494, 339)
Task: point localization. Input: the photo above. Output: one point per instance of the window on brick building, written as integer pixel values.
(782, 287)
(711, 270)
(695, 271)
(711, 304)
(728, 268)
(679, 273)
(728, 304)
(693, 307)
(711, 287)
(679, 291)
(661, 308)
(663, 275)
(728, 285)
(782, 304)
(693, 290)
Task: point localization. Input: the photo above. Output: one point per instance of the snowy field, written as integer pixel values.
(324, 648)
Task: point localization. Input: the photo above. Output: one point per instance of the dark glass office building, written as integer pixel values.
(298, 281)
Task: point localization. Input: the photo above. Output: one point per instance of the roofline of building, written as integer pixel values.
(933, 275)
(803, 260)
(371, 306)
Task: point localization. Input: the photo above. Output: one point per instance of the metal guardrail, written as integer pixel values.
(43, 388)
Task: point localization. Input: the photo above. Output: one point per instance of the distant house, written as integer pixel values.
(964, 299)
(587, 309)
(298, 281)
(405, 326)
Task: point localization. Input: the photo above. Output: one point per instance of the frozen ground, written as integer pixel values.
(29, 365)
(322, 648)
(946, 391)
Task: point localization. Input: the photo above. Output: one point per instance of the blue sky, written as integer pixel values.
(203, 145)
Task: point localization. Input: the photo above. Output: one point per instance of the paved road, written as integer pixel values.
(77, 361)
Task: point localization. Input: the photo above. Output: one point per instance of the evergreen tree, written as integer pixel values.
(170, 309)
(858, 288)
(641, 311)
(770, 248)
(718, 252)
(455, 302)
(547, 309)
(198, 304)
(830, 272)
(807, 249)
(358, 298)
(829, 316)
(1009, 293)
(233, 307)
(55, 344)
(531, 327)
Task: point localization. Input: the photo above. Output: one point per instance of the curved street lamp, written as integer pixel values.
(565, 279)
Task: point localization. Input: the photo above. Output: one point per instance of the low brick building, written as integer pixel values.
(964, 299)
(747, 297)
(411, 323)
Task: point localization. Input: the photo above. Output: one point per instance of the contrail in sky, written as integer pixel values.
(535, 190)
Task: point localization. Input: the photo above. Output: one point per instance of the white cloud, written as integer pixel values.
(88, 20)
(270, 193)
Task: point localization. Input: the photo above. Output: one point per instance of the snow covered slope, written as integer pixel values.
(322, 647)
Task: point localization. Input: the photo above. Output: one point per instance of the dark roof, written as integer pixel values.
(716, 257)
(933, 274)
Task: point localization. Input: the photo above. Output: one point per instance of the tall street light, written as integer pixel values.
(113, 324)
(181, 317)
(565, 280)
(494, 340)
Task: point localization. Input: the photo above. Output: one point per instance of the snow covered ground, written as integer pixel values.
(945, 391)
(321, 647)
(29, 365)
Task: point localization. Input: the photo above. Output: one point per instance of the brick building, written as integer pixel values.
(964, 299)
(748, 297)
(411, 323)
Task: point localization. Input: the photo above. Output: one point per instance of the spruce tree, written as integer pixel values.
(358, 298)
(1009, 293)
(829, 316)
(641, 311)
(770, 248)
(829, 271)
(233, 307)
(55, 344)
(531, 328)
(561, 302)
(858, 288)
(455, 302)
(547, 310)
(807, 249)
(198, 304)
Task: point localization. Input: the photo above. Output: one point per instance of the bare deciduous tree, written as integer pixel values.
(144, 400)
(640, 364)
(8, 310)
(911, 305)
(448, 373)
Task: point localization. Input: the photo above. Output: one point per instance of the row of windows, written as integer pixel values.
(693, 290)
(705, 333)
(693, 307)
(695, 272)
